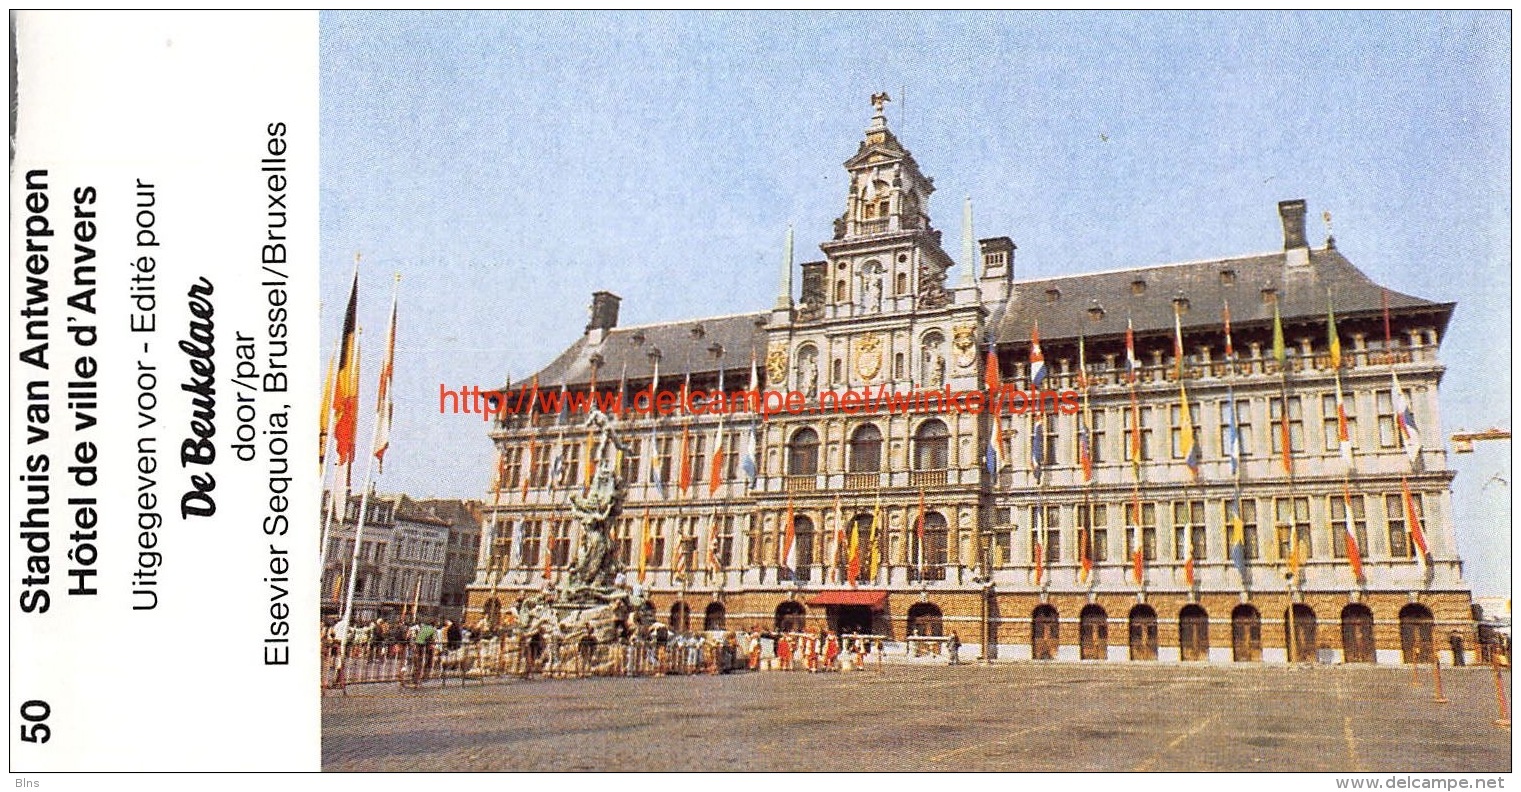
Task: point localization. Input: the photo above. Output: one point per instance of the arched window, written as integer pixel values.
(1415, 633)
(681, 617)
(1299, 634)
(790, 617)
(932, 446)
(1246, 634)
(839, 291)
(901, 284)
(1357, 634)
(713, 616)
(866, 449)
(1093, 633)
(803, 453)
(1193, 633)
(924, 618)
(1143, 633)
(1045, 633)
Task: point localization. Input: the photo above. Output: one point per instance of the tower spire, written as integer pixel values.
(968, 247)
(784, 300)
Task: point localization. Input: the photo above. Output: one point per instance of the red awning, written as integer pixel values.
(876, 600)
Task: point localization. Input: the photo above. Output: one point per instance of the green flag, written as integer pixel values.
(1280, 353)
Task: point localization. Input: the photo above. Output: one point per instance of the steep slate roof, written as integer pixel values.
(740, 335)
(1301, 291)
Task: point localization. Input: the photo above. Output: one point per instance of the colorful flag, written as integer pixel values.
(533, 437)
(993, 457)
(919, 531)
(1232, 431)
(384, 404)
(1038, 537)
(1413, 525)
(646, 543)
(713, 543)
(680, 565)
(853, 561)
(1404, 417)
(789, 544)
(1037, 360)
(1238, 535)
(715, 476)
(832, 573)
(1343, 433)
(1037, 446)
(324, 420)
(684, 478)
(549, 550)
(875, 551)
(1085, 544)
(1354, 553)
(1185, 415)
(1084, 419)
(515, 550)
(751, 463)
(1138, 553)
(346, 384)
(1280, 350)
(1285, 437)
(1132, 366)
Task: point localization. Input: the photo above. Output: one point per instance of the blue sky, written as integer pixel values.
(507, 165)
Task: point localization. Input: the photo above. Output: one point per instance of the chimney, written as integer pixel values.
(1295, 247)
(604, 315)
(997, 268)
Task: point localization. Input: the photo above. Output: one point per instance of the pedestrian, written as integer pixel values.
(422, 652)
(754, 648)
(831, 652)
(784, 652)
(453, 635)
(954, 646)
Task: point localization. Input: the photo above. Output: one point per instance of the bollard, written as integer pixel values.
(1504, 720)
(1436, 676)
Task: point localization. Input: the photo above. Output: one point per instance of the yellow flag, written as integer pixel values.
(876, 547)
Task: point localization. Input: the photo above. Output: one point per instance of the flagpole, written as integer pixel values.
(1286, 439)
(327, 522)
(1137, 550)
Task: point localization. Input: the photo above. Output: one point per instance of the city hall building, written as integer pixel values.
(1105, 533)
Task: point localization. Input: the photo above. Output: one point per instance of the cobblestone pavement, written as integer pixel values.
(1009, 717)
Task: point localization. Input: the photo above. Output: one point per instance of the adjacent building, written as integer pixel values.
(1104, 529)
(414, 561)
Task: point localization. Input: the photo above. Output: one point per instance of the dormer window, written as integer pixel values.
(698, 331)
(1228, 277)
(997, 259)
(1269, 295)
(637, 337)
(1053, 294)
(1138, 287)
(1095, 312)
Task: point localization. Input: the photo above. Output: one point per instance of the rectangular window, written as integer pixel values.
(1003, 549)
(541, 455)
(1329, 420)
(1338, 511)
(657, 542)
(666, 452)
(630, 467)
(699, 460)
(570, 465)
(531, 542)
(1292, 514)
(1175, 424)
(1095, 519)
(1388, 430)
(1146, 432)
(731, 456)
(1188, 529)
(726, 541)
(1248, 526)
(1048, 533)
(1098, 435)
(512, 469)
(1296, 424)
(1400, 545)
(561, 547)
(1147, 524)
(1243, 424)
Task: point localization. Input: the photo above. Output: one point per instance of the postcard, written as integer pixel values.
(725, 392)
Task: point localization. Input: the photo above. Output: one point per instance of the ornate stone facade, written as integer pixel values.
(956, 534)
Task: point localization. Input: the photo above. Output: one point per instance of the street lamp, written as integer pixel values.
(983, 577)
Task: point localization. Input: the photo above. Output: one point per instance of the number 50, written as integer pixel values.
(35, 711)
